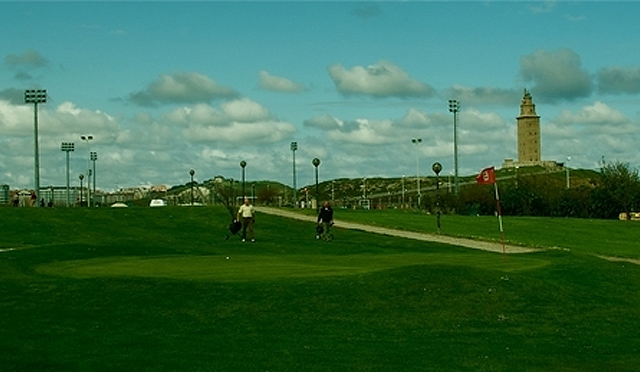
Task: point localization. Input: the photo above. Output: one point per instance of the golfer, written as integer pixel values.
(247, 214)
(325, 219)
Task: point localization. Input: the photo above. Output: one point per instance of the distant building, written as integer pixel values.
(528, 123)
(4, 194)
(528, 132)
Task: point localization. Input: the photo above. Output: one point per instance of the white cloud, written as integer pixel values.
(245, 110)
(383, 79)
(181, 87)
(596, 114)
(618, 80)
(27, 59)
(557, 75)
(237, 121)
(278, 83)
(483, 95)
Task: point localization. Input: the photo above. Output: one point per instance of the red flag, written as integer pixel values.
(487, 176)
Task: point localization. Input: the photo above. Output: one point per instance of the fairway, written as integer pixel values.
(270, 267)
(152, 289)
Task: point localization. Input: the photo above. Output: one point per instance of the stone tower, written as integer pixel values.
(528, 132)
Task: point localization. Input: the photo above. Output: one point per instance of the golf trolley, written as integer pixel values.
(321, 235)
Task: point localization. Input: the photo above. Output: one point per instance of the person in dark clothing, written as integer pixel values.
(325, 219)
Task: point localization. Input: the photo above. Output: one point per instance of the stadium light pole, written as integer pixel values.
(191, 173)
(68, 147)
(86, 139)
(417, 141)
(437, 168)
(454, 107)
(36, 96)
(294, 147)
(316, 163)
(81, 176)
(243, 164)
(94, 157)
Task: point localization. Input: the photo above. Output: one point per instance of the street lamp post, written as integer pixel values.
(191, 173)
(417, 142)
(36, 96)
(294, 147)
(437, 167)
(454, 107)
(243, 164)
(86, 139)
(81, 176)
(316, 163)
(94, 157)
(67, 147)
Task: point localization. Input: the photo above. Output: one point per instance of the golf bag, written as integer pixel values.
(319, 231)
(234, 227)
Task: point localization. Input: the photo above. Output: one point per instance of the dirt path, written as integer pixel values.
(467, 243)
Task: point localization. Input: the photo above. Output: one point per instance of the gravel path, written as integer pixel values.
(461, 242)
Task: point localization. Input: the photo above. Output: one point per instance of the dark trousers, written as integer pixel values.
(247, 224)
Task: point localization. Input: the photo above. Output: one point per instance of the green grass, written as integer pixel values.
(603, 237)
(152, 290)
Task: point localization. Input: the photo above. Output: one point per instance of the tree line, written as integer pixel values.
(613, 190)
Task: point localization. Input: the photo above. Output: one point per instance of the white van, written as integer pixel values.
(158, 203)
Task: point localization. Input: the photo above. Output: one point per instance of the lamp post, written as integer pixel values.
(86, 139)
(566, 167)
(81, 176)
(437, 167)
(67, 147)
(191, 173)
(417, 142)
(294, 147)
(316, 163)
(36, 96)
(243, 164)
(94, 157)
(454, 107)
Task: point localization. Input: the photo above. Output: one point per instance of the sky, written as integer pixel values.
(166, 87)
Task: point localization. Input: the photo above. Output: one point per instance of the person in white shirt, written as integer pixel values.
(247, 214)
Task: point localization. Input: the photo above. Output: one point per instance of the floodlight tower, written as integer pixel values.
(68, 147)
(36, 96)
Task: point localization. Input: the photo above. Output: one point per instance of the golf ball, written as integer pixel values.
(227, 258)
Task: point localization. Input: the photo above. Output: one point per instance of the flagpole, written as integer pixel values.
(499, 208)
(487, 177)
